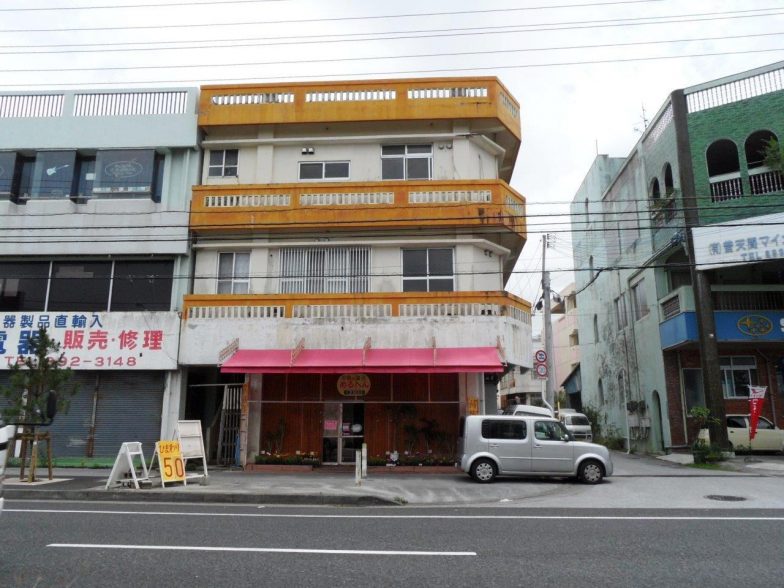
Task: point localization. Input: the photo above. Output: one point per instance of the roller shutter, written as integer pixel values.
(128, 408)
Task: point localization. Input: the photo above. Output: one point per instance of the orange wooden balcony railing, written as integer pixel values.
(356, 305)
(359, 205)
(360, 100)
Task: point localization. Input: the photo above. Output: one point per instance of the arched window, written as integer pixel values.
(655, 190)
(762, 179)
(724, 170)
(601, 392)
(595, 329)
(669, 185)
(722, 158)
(755, 147)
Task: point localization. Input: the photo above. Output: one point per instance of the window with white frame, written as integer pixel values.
(737, 374)
(323, 170)
(640, 301)
(406, 162)
(234, 272)
(428, 270)
(620, 312)
(223, 163)
(316, 270)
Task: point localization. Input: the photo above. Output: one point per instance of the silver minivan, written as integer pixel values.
(577, 424)
(528, 446)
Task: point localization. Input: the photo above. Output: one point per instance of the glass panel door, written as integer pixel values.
(343, 431)
(352, 431)
(331, 432)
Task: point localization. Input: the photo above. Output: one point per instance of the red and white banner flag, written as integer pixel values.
(756, 400)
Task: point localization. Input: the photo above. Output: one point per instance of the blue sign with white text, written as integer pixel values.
(737, 326)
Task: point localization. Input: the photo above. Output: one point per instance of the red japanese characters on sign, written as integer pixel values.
(104, 340)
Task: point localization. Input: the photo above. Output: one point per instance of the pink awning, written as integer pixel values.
(347, 361)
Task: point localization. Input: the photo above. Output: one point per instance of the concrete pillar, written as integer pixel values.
(253, 443)
(173, 408)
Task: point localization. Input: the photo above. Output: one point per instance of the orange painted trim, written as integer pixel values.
(506, 209)
(495, 106)
(394, 299)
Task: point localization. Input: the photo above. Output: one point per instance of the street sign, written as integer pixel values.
(541, 371)
(124, 465)
(189, 435)
(540, 356)
(170, 462)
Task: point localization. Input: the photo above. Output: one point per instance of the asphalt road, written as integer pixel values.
(84, 545)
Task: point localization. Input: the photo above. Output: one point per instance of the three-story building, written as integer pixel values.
(704, 151)
(352, 241)
(95, 189)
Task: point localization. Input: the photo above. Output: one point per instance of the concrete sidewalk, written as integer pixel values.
(323, 487)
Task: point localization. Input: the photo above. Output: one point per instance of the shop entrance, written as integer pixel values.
(343, 431)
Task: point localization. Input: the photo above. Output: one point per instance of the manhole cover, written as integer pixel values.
(725, 498)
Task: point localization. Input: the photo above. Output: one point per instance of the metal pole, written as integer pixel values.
(548, 328)
(703, 303)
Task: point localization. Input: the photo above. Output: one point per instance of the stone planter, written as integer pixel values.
(269, 468)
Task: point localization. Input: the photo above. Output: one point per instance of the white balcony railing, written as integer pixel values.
(765, 181)
(726, 188)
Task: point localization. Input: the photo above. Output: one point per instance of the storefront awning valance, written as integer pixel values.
(346, 361)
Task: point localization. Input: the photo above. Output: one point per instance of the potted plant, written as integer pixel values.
(702, 450)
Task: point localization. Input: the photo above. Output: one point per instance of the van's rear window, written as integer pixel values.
(503, 429)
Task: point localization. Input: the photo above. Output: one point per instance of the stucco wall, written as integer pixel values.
(474, 269)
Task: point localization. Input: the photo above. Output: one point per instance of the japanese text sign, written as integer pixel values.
(95, 340)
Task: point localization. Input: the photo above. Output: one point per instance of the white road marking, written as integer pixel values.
(259, 549)
(415, 517)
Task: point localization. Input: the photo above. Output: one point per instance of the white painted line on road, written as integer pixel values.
(415, 517)
(260, 549)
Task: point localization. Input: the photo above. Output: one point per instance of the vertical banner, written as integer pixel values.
(756, 400)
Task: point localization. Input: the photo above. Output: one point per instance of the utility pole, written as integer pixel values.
(703, 303)
(549, 396)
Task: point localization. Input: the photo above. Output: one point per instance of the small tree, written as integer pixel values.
(32, 379)
(773, 155)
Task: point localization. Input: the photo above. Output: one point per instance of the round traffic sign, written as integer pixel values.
(541, 370)
(540, 356)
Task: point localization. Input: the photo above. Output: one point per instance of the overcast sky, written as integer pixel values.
(646, 49)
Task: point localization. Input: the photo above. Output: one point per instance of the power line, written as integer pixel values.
(610, 216)
(371, 274)
(385, 57)
(451, 13)
(410, 72)
(368, 37)
(126, 6)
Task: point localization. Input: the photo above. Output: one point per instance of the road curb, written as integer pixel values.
(224, 498)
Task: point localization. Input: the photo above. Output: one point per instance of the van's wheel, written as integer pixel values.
(483, 470)
(590, 472)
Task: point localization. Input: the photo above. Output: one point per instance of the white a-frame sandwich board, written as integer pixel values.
(189, 435)
(123, 465)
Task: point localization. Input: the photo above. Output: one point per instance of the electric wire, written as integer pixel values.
(322, 20)
(224, 65)
(323, 76)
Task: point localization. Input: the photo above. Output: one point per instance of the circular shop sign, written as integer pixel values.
(353, 385)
